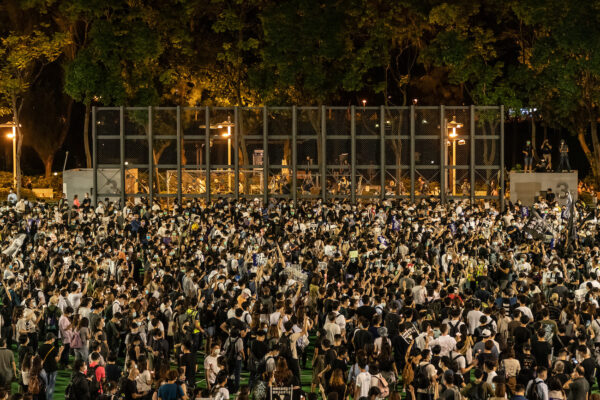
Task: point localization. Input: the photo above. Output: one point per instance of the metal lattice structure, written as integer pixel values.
(345, 153)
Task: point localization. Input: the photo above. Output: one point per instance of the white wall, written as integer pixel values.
(527, 186)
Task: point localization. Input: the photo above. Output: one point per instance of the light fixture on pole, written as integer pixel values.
(452, 126)
(228, 125)
(13, 136)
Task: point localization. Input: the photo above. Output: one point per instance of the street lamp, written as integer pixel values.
(13, 136)
(452, 126)
(225, 124)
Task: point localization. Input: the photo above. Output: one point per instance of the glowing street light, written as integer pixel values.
(228, 125)
(13, 136)
(452, 126)
(364, 103)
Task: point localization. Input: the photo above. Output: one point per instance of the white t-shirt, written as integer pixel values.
(363, 382)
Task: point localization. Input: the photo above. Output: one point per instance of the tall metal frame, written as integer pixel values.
(304, 129)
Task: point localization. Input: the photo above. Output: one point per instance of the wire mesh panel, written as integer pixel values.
(487, 154)
(397, 125)
(356, 152)
(427, 151)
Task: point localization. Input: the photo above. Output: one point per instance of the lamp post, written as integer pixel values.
(453, 135)
(228, 136)
(225, 124)
(13, 136)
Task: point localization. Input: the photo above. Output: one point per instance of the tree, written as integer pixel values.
(22, 59)
(564, 65)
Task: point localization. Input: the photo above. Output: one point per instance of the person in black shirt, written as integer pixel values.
(541, 349)
(528, 364)
(50, 353)
(521, 334)
(112, 370)
(588, 363)
(187, 360)
(527, 156)
(80, 385)
(362, 336)
(547, 154)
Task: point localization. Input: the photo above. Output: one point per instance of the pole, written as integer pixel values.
(229, 157)
(65, 163)
(412, 154)
(14, 140)
(150, 159)
(122, 152)
(454, 167)
(265, 156)
(323, 162)
(353, 154)
(179, 144)
(94, 159)
(443, 154)
(294, 155)
(472, 163)
(501, 174)
(207, 149)
(382, 151)
(236, 152)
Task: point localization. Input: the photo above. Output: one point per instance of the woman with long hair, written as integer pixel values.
(283, 376)
(387, 366)
(25, 370)
(38, 379)
(336, 384)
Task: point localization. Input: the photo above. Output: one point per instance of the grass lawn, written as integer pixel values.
(64, 376)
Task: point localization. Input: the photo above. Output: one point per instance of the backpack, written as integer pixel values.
(285, 347)
(51, 320)
(422, 380)
(230, 351)
(383, 386)
(69, 395)
(476, 392)
(94, 384)
(454, 329)
(532, 391)
(76, 342)
(408, 374)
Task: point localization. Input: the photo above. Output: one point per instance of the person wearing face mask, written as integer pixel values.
(211, 366)
(80, 384)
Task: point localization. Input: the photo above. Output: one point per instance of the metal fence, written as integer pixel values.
(344, 153)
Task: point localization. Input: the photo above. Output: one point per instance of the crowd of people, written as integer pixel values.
(389, 300)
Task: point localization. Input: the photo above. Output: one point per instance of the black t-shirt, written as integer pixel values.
(129, 389)
(188, 360)
(236, 323)
(49, 353)
(589, 365)
(521, 335)
(366, 312)
(113, 372)
(259, 349)
(541, 351)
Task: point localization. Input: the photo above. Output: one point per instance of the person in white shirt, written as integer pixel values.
(331, 328)
(363, 381)
(446, 342)
(473, 317)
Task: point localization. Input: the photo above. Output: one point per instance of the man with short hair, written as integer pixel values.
(538, 384)
(50, 353)
(577, 386)
(8, 368)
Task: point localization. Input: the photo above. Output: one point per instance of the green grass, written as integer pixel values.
(64, 376)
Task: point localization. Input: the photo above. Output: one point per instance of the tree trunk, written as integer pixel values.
(86, 136)
(19, 142)
(48, 160)
(596, 144)
(588, 153)
(533, 137)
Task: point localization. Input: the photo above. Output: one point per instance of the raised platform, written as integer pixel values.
(527, 186)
